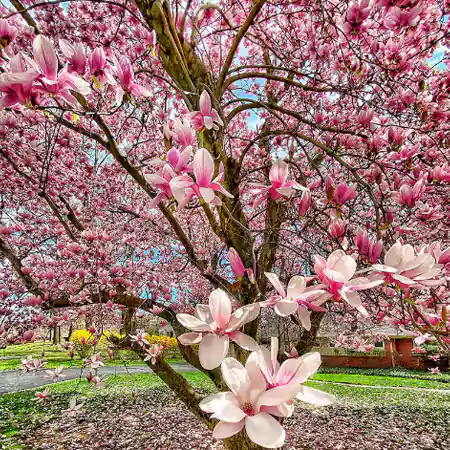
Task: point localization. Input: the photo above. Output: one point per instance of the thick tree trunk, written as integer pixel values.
(241, 442)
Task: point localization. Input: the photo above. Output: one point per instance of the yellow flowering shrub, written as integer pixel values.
(82, 342)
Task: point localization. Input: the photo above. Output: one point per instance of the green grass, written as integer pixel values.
(374, 380)
(398, 373)
(20, 414)
(56, 356)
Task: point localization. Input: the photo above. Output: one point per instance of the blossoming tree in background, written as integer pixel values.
(215, 163)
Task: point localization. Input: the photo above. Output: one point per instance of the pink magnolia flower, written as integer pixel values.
(43, 394)
(183, 187)
(365, 118)
(399, 18)
(343, 193)
(427, 212)
(292, 372)
(153, 352)
(207, 117)
(435, 371)
(32, 365)
(294, 300)
(279, 188)
(214, 325)
(17, 85)
(76, 56)
(179, 161)
(161, 180)
(50, 80)
(182, 133)
(96, 380)
(356, 14)
(367, 247)
(125, 75)
(95, 361)
(140, 338)
(243, 406)
(335, 274)
(305, 203)
(408, 195)
(403, 267)
(7, 33)
(99, 68)
(237, 266)
(441, 256)
(55, 374)
(156, 310)
(337, 228)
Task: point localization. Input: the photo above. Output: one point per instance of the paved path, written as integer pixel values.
(16, 380)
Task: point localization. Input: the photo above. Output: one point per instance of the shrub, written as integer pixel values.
(83, 341)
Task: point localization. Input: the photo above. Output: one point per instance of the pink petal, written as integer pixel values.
(45, 56)
(264, 430)
(296, 287)
(310, 362)
(224, 430)
(394, 255)
(279, 394)
(192, 323)
(273, 278)
(205, 103)
(315, 397)
(207, 194)
(288, 370)
(203, 166)
(235, 376)
(278, 173)
(229, 412)
(212, 350)
(244, 341)
(203, 312)
(285, 308)
(305, 317)
(190, 338)
(220, 306)
(214, 402)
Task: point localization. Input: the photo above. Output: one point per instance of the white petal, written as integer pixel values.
(214, 402)
(220, 307)
(192, 323)
(224, 430)
(229, 412)
(244, 341)
(213, 350)
(235, 375)
(279, 394)
(315, 397)
(264, 430)
(285, 308)
(310, 363)
(190, 338)
(296, 287)
(305, 317)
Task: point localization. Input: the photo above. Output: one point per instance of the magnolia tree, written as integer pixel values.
(212, 162)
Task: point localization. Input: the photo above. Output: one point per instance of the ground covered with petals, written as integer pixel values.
(138, 413)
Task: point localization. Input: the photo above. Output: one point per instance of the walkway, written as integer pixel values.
(16, 380)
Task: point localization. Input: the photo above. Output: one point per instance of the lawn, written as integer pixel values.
(11, 357)
(145, 411)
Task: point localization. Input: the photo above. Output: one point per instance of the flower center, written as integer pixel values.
(247, 407)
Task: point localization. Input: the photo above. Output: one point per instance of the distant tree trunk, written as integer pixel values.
(70, 332)
(55, 335)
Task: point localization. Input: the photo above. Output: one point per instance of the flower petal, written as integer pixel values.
(285, 308)
(192, 323)
(265, 430)
(310, 363)
(229, 412)
(203, 166)
(213, 350)
(279, 394)
(315, 397)
(190, 338)
(235, 376)
(214, 402)
(296, 287)
(220, 306)
(45, 56)
(244, 341)
(273, 278)
(224, 430)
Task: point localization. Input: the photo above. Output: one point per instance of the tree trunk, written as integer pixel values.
(55, 335)
(241, 442)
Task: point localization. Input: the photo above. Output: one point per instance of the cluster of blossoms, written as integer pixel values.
(260, 392)
(29, 80)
